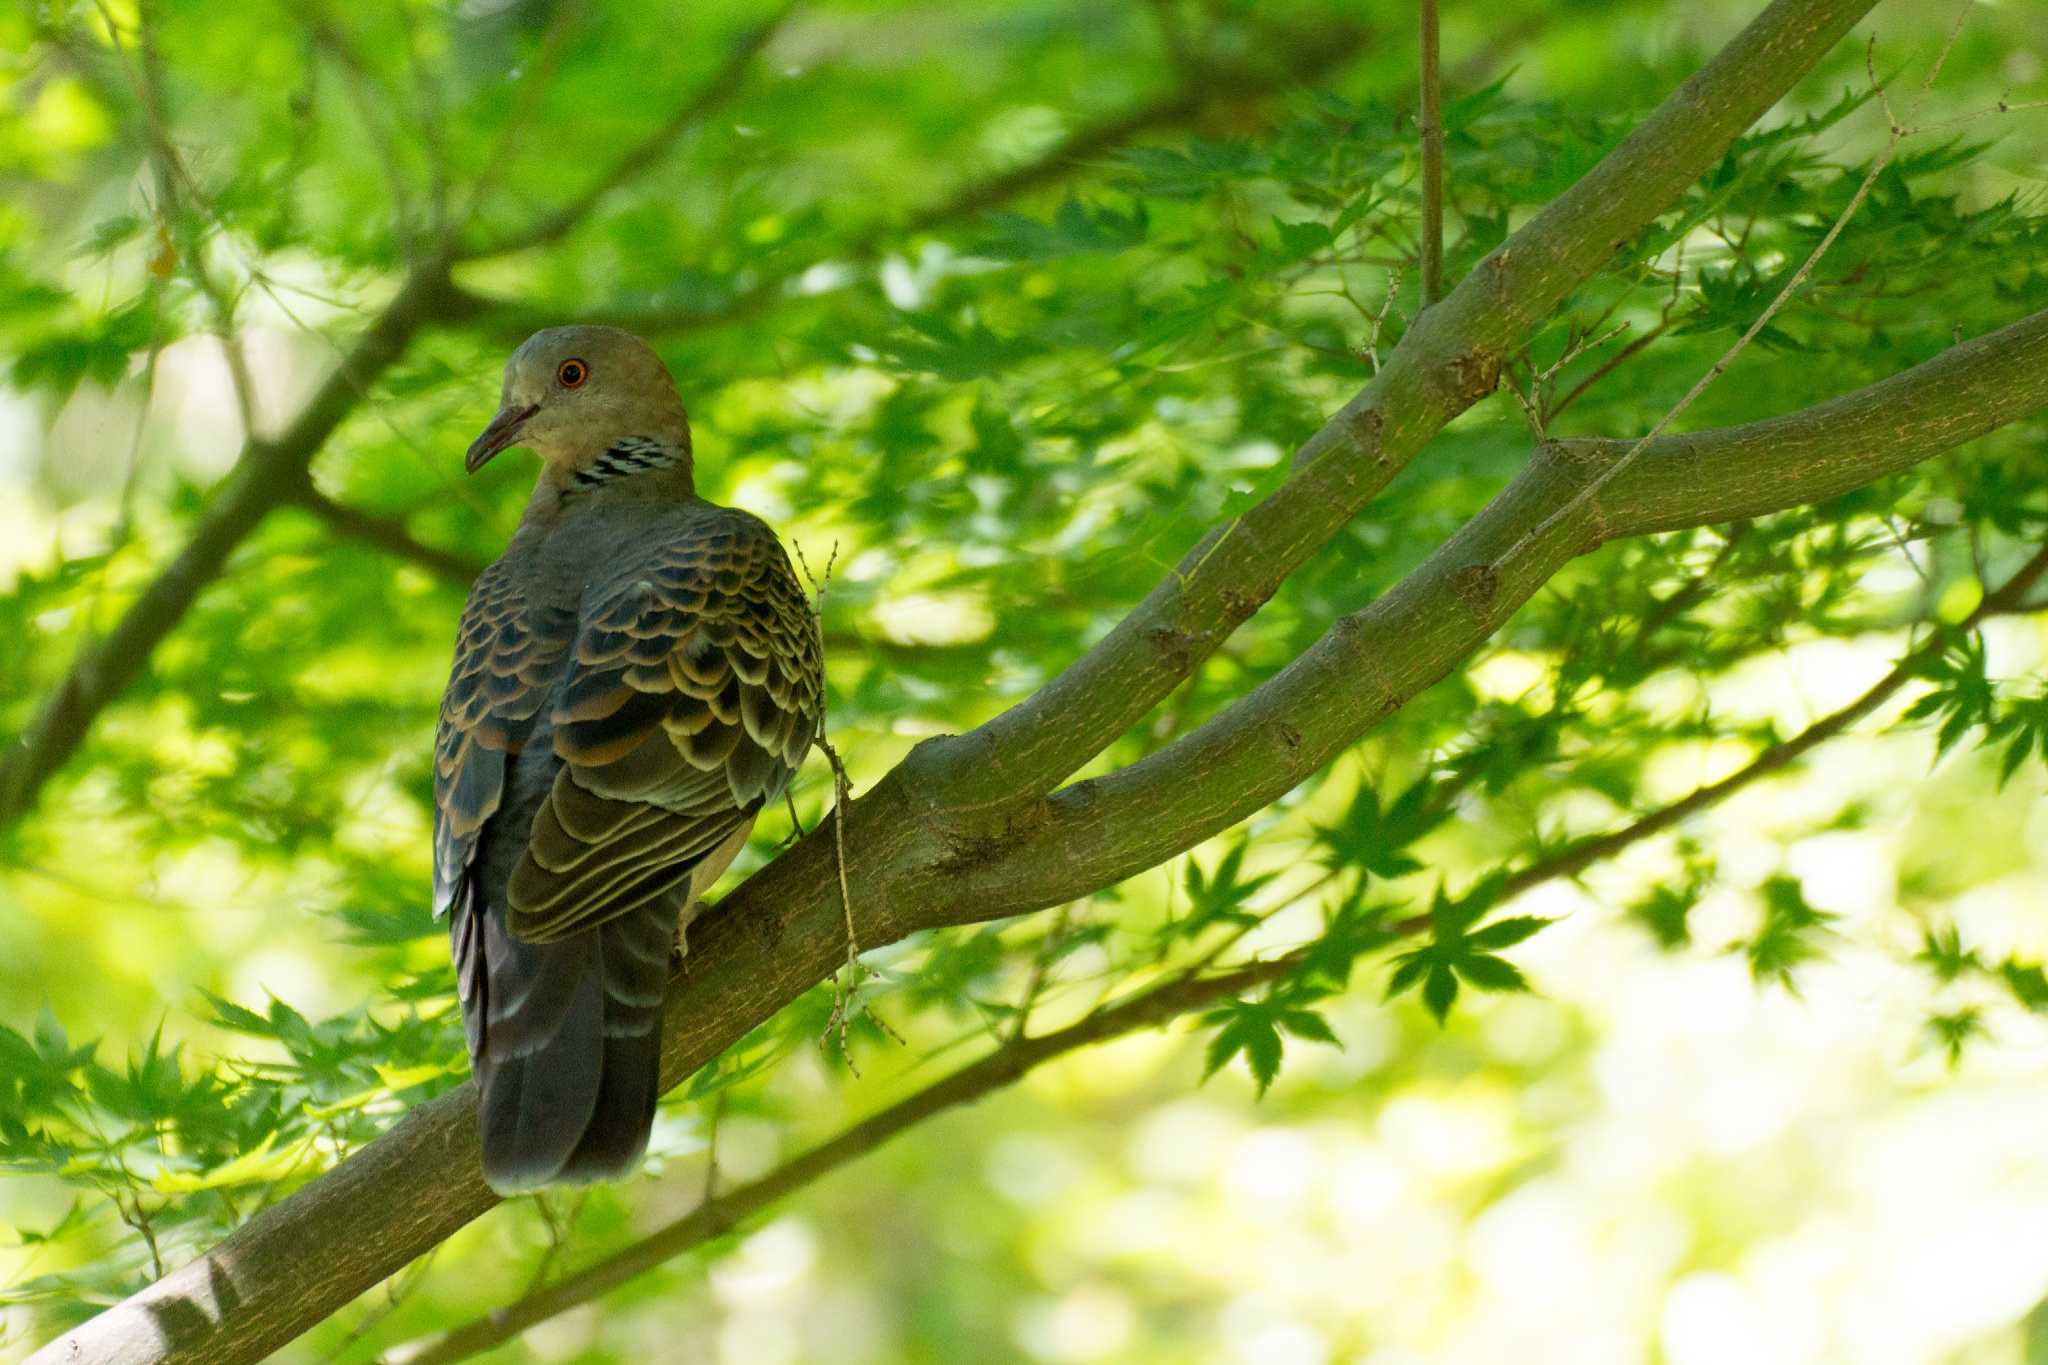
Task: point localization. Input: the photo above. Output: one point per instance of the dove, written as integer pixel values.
(634, 680)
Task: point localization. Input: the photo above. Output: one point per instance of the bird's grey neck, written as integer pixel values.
(629, 458)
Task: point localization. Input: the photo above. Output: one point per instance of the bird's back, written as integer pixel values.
(634, 681)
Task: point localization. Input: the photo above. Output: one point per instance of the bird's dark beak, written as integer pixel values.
(503, 431)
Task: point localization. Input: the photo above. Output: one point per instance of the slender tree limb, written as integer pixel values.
(1580, 854)
(709, 97)
(267, 474)
(534, 86)
(389, 536)
(1429, 128)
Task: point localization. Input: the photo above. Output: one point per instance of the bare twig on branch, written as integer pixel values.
(1429, 128)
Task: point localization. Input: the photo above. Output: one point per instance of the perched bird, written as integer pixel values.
(634, 680)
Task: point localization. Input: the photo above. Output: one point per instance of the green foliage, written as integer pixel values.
(1791, 933)
(1458, 952)
(1009, 386)
(1258, 1029)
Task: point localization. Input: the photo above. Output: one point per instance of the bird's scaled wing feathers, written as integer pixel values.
(508, 654)
(686, 704)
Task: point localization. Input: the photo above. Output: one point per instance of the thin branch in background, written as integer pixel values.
(431, 108)
(535, 79)
(181, 246)
(1898, 132)
(1582, 853)
(1305, 57)
(1041, 963)
(560, 1225)
(1429, 127)
(711, 1149)
(371, 101)
(712, 95)
(390, 536)
(1173, 37)
(138, 1218)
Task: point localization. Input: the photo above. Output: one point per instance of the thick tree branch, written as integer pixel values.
(1369, 664)
(1011, 1061)
(1450, 359)
(920, 857)
(267, 474)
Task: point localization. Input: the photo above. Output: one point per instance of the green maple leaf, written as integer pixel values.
(1459, 953)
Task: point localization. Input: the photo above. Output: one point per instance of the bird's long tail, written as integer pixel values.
(565, 1041)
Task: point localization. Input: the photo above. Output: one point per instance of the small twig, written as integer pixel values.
(1375, 322)
(711, 1149)
(1429, 125)
(135, 1216)
(430, 104)
(534, 83)
(559, 1226)
(845, 1006)
(1041, 962)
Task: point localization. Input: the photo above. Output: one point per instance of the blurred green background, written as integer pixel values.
(995, 306)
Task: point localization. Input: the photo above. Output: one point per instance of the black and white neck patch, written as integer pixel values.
(628, 456)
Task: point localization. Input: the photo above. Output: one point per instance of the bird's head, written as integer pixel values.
(577, 396)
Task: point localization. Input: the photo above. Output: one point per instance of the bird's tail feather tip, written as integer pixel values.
(532, 1140)
(508, 1179)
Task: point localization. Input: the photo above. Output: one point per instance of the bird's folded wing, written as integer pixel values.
(507, 656)
(688, 701)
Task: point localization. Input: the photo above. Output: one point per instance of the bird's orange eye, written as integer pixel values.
(572, 373)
